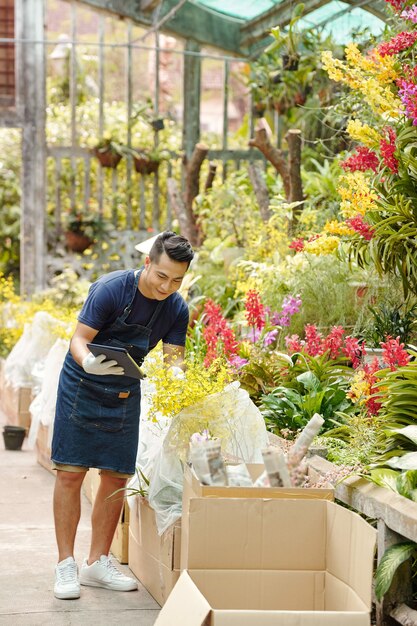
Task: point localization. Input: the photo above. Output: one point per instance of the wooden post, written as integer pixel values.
(32, 88)
(191, 97)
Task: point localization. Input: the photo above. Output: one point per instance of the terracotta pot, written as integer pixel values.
(144, 165)
(77, 242)
(107, 158)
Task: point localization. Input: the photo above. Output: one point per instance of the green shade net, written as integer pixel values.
(337, 18)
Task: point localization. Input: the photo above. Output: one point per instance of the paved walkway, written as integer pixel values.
(28, 556)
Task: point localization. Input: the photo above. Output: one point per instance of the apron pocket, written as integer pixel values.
(101, 407)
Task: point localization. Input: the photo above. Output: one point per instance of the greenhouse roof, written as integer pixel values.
(241, 27)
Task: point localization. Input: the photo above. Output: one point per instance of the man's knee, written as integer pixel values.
(70, 479)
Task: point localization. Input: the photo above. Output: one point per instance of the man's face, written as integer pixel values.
(160, 279)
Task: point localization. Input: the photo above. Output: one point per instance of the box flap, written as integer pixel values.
(185, 605)
(350, 559)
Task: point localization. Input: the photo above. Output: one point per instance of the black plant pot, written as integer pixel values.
(290, 62)
(13, 437)
(158, 124)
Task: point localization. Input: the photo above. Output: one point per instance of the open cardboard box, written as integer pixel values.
(153, 558)
(273, 562)
(193, 489)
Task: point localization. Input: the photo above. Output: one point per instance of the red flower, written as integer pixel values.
(358, 224)
(218, 335)
(313, 342)
(400, 42)
(293, 343)
(297, 245)
(364, 159)
(394, 353)
(354, 350)
(388, 148)
(333, 342)
(397, 5)
(255, 310)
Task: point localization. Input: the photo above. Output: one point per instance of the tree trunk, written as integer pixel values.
(293, 138)
(192, 176)
(210, 176)
(274, 156)
(178, 207)
(261, 190)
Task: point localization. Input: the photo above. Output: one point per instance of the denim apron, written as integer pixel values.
(97, 417)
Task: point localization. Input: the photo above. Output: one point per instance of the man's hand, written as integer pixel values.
(177, 372)
(99, 366)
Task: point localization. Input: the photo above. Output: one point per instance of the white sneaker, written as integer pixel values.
(67, 586)
(104, 574)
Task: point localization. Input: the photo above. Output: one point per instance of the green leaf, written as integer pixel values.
(405, 462)
(408, 431)
(390, 562)
(384, 478)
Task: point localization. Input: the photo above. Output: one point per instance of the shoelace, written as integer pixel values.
(68, 573)
(113, 570)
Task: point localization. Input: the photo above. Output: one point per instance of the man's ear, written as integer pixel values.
(147, 261)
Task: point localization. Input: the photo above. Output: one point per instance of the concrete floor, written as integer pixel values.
(28, 556)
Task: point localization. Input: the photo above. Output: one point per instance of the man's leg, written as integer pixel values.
(98, 570)
(105, 515)
(67, 510)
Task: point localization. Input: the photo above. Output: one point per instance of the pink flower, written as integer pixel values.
(293, 343)
(218, 335)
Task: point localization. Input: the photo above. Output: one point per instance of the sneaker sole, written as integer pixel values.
(104, 585)
(67, 596)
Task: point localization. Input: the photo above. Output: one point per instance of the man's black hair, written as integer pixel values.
(177, 247)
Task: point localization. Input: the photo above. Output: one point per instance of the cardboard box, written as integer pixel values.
(193, 489)
(273, 562)
(43, 447)
(120, 544)
(15, 402)
(153, 558)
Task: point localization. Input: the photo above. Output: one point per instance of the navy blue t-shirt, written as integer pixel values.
(111, 293)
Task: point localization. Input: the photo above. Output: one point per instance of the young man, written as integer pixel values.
(98, 407)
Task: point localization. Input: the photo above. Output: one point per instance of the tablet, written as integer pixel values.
(121, 355)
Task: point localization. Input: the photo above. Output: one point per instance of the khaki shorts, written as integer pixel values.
(81, 468)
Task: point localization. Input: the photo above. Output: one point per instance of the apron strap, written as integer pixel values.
(128, 307)
(157, 311)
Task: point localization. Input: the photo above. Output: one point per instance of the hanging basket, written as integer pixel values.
(107, 158)
(143, 165)
(77, 242)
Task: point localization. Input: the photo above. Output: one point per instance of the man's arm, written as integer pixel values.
(173, 355)
(83, 334)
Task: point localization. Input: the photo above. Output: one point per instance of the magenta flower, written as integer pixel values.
(270, 337)
(238, 361)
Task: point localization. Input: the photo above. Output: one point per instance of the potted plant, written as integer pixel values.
(147, 161)
(82, 228)
(287, 42)
(109, 151)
